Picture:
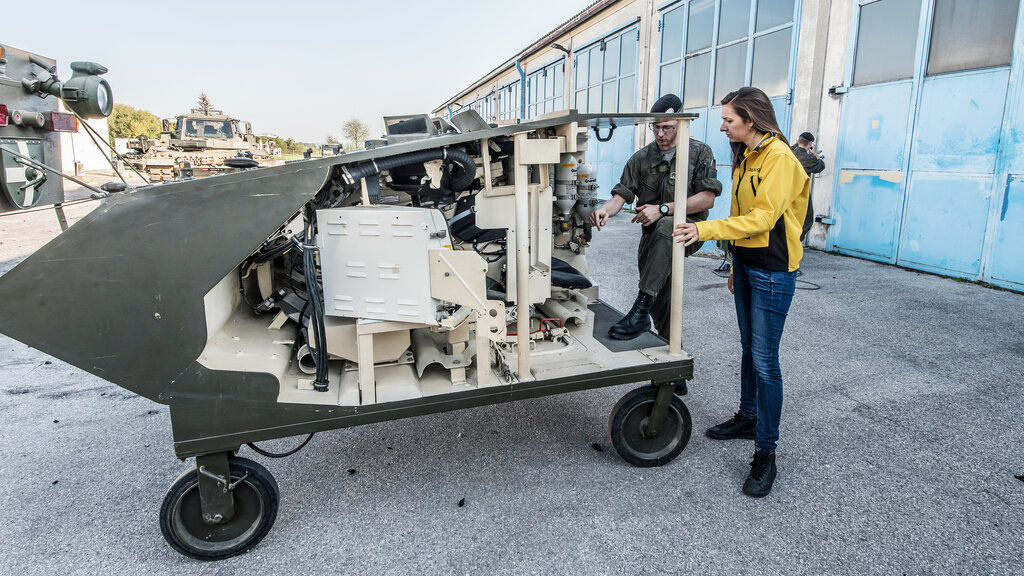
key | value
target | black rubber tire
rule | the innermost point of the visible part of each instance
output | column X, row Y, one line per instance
column 256, row 503
column 628, row 421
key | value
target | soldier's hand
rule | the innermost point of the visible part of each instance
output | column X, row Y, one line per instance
column 647, row 214
column 599, row 218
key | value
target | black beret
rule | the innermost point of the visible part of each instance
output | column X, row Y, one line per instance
column 667, row 103
column 807, row 136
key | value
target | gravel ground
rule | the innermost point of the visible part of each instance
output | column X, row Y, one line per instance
column 901, row 437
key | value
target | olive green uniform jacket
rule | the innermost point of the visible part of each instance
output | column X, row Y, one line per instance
column 812, row 165
column 649, row 177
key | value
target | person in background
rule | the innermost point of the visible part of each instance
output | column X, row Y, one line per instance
column 769, row 202
column 813, row 163
column 648, row 181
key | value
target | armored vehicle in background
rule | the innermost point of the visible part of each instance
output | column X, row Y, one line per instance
column 199, row 143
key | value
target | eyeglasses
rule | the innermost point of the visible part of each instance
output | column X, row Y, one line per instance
column 663, row 129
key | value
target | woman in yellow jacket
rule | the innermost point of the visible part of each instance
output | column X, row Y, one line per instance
column 769, row 201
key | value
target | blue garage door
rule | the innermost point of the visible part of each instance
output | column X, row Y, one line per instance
column 924, row 176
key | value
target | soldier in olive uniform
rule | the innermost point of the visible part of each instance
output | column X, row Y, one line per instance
column 648, row 182
column 812, row 163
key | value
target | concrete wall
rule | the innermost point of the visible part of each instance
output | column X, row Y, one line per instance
column 831, row 30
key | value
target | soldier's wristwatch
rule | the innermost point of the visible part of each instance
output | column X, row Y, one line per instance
column 663, row 209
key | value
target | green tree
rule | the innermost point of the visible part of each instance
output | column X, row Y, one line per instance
column 290, row 146
column 128, row 122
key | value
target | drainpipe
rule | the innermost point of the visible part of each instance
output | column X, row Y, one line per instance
column 522, row 91
column 449, row 111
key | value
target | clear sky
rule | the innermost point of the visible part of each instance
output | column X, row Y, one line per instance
column 297, row 69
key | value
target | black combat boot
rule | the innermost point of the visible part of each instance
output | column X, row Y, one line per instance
column 762, row 475
column 636, row 321
column 737, row 427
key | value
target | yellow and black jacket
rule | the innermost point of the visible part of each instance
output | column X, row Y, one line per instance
column 770, row 191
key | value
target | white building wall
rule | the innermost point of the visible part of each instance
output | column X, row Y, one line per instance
column 835, row 54
column 78, row 147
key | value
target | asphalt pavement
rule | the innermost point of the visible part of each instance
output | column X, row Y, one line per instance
column 901, row 438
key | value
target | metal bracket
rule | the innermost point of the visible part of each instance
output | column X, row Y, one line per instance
column 657, row 418
column 215, row 487
column 597, row 133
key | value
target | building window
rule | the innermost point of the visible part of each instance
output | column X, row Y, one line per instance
column 508, row 101
column 670, row 68
column 771, row 62
column 965, row 37
column 714, row 50
column 734, row 20
column 546, row 89
column 606, row 74
column 484, row 106
column 730, row 69
column 886, row 41
column 772, row 13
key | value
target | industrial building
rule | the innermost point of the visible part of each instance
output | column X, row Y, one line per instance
column 916, row 105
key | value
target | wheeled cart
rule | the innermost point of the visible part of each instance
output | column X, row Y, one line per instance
column 444, row 270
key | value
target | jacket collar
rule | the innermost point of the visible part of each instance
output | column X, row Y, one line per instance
column 768, row 138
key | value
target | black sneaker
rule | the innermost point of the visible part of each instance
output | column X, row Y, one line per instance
column 737, row 427
column 762, row 475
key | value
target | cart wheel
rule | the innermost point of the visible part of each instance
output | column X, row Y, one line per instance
column 256, row 501
column 628, row 429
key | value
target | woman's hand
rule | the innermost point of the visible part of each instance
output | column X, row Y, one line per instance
column 731, row 290
column 686, row 233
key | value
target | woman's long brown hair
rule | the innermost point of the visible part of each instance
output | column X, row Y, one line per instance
column 752, row 104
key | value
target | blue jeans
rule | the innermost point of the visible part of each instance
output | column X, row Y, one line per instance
column 762, row 302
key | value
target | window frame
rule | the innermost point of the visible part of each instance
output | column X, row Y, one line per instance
column 538, row 104
column 750, row 38
column 603, row 85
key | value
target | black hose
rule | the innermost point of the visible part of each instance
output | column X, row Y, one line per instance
column 315, row 300
column 259, row 450
column 462, row 176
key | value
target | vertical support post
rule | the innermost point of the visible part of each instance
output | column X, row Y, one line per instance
column 522, row 261
column 215, row 498
column 61, row 217
column 485, row 157
column 675, row 339
column 365, row 192
column 483, row 358
column 367, row 379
